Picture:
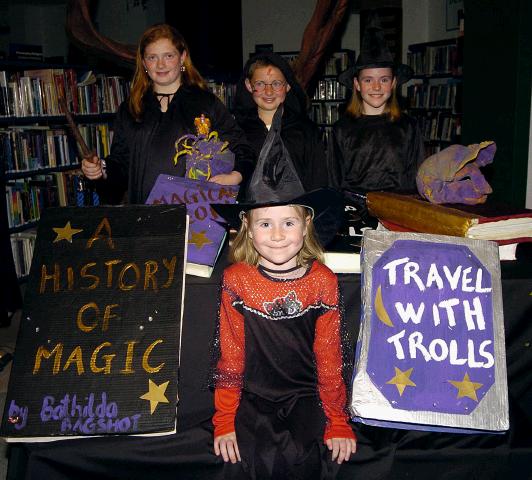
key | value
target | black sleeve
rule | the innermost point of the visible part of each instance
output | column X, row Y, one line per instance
column 229, row 131
column 335, row 159
column 415, row 155
column 315, row 174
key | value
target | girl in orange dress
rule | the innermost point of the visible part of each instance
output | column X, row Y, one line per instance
column 280, row 372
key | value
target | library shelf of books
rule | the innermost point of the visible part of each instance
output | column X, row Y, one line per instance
column 434, row 94
column 40, row 160
column 329, row 97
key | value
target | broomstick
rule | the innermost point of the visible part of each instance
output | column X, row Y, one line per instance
column 85, row 151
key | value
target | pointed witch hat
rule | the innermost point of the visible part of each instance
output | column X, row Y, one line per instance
column 375, row 54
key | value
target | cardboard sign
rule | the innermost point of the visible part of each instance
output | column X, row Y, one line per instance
column 431, row 348
column 99, row 340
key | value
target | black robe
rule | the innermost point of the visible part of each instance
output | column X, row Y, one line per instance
column 142, row 150
column 301, row 138
column 373, row 153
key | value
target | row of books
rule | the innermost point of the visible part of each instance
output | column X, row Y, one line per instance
column 325, row 112
column 37, row 92
column 22, row 245
column 430, row 60
column 435, row 95
column 32, row 148
column 337, row 63
column 440, row 126
column 26, row 198
column 330, row 89
column 226, row 92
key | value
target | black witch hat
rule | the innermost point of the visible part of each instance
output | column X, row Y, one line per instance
column 375, row 54
column 326, row 206
column 275, row 180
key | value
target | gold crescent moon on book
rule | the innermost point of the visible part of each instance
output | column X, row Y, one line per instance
column 382, row 314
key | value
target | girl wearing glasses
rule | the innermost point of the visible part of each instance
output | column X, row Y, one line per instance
column 167, row 95
column 268, row 83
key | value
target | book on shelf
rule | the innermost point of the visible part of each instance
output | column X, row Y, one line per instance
column 36, row 92
column 99, row 349
column 489, row 221
column 206, row 235
column 22, row 246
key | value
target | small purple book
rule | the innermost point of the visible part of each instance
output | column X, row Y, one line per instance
column 206, row 236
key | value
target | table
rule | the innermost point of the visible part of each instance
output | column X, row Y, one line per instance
column 382, row 453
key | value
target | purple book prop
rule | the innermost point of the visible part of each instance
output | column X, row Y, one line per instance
column 206, row 235
column 430, row 353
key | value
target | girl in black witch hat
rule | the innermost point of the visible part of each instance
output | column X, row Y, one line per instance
column 268, row 86
column 375, row 146
column 282, row 365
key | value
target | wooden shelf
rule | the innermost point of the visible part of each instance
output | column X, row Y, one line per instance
column 41, row 171
column 56, row 119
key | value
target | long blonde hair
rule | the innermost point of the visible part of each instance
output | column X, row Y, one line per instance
column 355, row 108
column 243, row 250
column 142, row 82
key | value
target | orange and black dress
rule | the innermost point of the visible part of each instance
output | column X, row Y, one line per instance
column 278, row 379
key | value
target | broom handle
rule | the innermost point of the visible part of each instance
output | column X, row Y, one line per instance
column 85, row 152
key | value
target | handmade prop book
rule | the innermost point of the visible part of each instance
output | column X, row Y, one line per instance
column 430, row 353
column 99, row 339
column 206, row 235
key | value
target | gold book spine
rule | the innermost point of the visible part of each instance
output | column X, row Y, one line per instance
column 419, row 215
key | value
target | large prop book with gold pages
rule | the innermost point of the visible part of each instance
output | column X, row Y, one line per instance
column 99, row 339
column 430, row 353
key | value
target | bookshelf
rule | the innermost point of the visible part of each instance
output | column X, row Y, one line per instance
column 40, row 160
column 434, row 94
column 330, row 96
column 224, row 90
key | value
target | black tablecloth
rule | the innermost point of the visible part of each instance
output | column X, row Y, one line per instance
column 382, row 453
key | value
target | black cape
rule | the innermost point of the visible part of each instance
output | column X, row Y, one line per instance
column 373, row 153
column 301, row 137
column 142, row 150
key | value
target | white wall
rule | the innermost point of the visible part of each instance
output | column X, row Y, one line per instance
column 415, row 23
column 30, row 23
column 437, row 18
column 125, row 20
column 282, row 23
column 42, row 22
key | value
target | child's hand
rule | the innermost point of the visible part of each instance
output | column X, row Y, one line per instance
column 342, row 448
column 226, row 446
column 233, row 178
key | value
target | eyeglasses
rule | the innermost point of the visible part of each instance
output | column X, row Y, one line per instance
column 260, row 86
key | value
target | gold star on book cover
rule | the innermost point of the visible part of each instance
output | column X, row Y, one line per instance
column 99, row 340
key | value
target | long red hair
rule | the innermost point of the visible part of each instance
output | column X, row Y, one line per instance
column 142, row 82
